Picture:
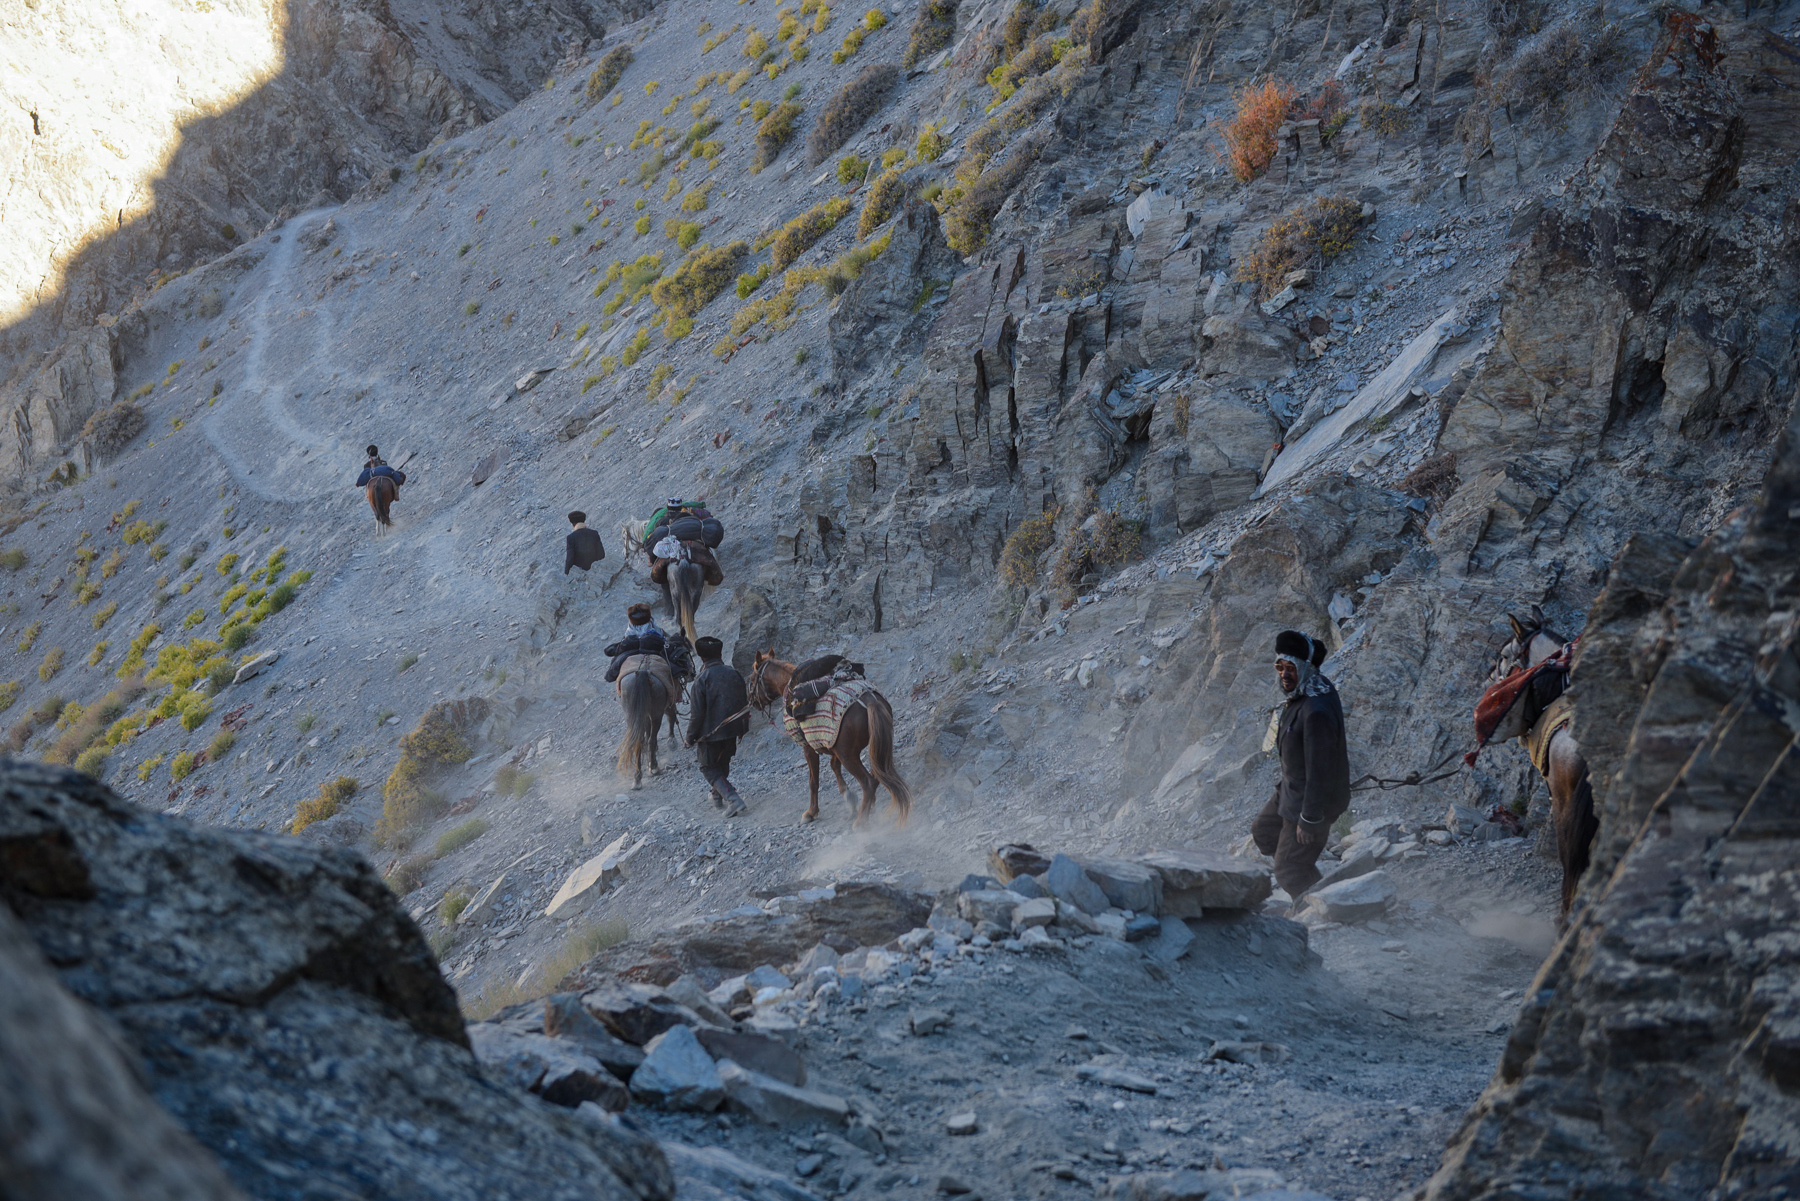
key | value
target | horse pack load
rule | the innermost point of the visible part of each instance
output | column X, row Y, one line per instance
column 698, row 526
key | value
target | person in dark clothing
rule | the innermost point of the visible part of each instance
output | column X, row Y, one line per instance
column 375, row 465
column 583, row 546
column 641, row 638
column 717, row 695
column 1314, row 790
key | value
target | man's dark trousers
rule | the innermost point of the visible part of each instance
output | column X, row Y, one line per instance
column 1279, row 839
column 715, row 766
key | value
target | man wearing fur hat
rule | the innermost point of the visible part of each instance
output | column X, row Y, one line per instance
column 1314, row 790
column 721, row 716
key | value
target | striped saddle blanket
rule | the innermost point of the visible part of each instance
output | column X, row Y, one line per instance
column 820, row 730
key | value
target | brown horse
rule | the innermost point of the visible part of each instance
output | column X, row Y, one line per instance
column 1558, row 758
column 381, row 493
column 647, row 692
column 869, row 723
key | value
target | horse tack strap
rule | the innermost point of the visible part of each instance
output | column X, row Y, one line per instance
column 1558, row 715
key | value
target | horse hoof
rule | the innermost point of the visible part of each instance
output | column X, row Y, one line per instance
column 809, row 817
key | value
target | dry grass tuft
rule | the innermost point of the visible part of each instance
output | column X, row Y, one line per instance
column 885, row 197
column 110, row 429
column 934, row 24
column 1025, row 546
column 438, row 740
column 1321, row 229
column 606, row 74
column 850, row 109
column 1250, row 133
column 774, row 132
column 798, row 235
column 331, row 798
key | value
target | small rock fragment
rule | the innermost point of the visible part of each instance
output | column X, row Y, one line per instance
column 961, row 1123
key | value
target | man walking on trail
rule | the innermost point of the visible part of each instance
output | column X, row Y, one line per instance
column 583, row 548
column 1314, row 790
column 717, row 695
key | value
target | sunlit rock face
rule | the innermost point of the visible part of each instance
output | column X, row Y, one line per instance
column 145, row 136
column 98, row 94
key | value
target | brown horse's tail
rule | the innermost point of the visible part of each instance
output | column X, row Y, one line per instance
column 642, row 695
column 689, row 580
column 381, row 494
column 881, row 753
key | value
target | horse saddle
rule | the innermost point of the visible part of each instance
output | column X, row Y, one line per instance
column 803, row 698
column 1558, row 715
column 656, row 665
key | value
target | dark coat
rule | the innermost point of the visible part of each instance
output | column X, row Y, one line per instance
column 716, row 695
column 650, row 643
column 583, row 549
column 1315, row 762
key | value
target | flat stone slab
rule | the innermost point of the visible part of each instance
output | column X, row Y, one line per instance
column 1194, row 881
column 775, row 1103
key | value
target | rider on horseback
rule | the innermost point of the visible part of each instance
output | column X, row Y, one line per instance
column 642, row 637
column 376, row 465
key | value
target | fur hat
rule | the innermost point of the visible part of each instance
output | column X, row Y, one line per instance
column 638, row 614
column 708, row 647
column 577, row 517
column 1292, row 644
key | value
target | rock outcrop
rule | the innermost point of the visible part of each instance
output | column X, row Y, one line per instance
column 1656, row 1053
column 75, row 1120
column 286, row 1011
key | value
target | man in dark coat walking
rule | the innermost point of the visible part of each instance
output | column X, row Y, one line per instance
column 582, row 548
column 1314, row 790
column 720, row 703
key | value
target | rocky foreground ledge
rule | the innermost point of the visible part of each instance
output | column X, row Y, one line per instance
column 281, row 1008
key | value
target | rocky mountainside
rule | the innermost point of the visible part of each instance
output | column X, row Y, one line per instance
column 1047, row 359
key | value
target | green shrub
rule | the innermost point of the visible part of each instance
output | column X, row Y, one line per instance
column 182, row 766
column 885, row 196
column 226, row 563
column 798, row 235
column 756, row 44
column 93, row 760
column 773, row 133
column 406, row 875
column 9, row 693
column 851, row 169
column 29, row 637
column 752, row 280
column 604, row 76
column 850, row 109
column 331, row 798
column 13, row 559
column 459, row 836
column 453, row 904
column 53, row 661
column 968, row 217
column 698, row 278
column 148, row 766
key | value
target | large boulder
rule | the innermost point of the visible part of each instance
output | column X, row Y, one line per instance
column 263, row 983
column 75, row 1120
column 1356, row 900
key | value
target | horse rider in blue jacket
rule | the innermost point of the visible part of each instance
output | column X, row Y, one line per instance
column 376, row 465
